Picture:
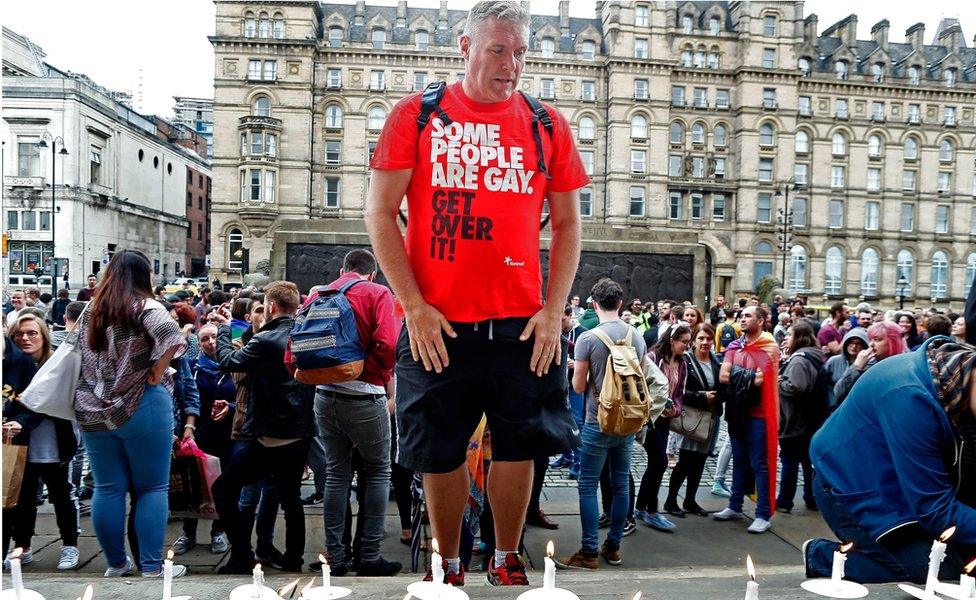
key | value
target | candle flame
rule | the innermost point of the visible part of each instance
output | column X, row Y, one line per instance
column 434, row 546
column 750, row 567
column 16, row 553
column 846, row 547
column 550, row 549
column 288, row 588
column 307, row 587
column 947, row 534
column 323, row 560
column 89, row 592
column 257, row 567
column 169, row 555
column 637, row 596
column 969, row 568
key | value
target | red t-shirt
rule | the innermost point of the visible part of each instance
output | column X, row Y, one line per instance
column 475, row 200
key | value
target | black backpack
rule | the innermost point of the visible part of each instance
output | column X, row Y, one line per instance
column 817, row 408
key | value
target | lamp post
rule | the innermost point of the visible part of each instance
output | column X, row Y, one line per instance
column 902, row 286
column 784, row 219
column 55, row 141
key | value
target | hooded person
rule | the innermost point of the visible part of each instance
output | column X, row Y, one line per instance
column 884, row 340
column 853, row 343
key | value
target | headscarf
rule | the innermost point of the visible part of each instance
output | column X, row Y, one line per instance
column 951, row 363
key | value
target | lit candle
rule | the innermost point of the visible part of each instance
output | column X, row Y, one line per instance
column 168, row 576
column 549, row 577
column 326, row 576
column 936, row 556
column 967, row 583
column 840, row 557
column 752, row 588
column 289, row 588
column 257, row 582
column 16, row 577
column 436, row 568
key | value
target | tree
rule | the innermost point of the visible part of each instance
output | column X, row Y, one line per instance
column 765, row 288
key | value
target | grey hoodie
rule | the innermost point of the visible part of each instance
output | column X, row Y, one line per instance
column 796, row 382
column 841, row 370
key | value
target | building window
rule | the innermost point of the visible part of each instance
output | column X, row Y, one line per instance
column 376, row 118
column 28, row 159
column 914, row 75
column 869, row 272
column 718, row 207
column 12, row 218
column 765, row 169
column 944, row 182
column 769, row 58
column 255, row 185
column 838, row 145
column 379, row 39
column 547, row 90
column 587, row 128
column 95, row 165
column 906, row 269
column 700, row 59
column 636, row 201
column 769, row 98
column 872, row 212
column 940, row 275
column 798, row 268
column 911, row 149
column 641, row 14
column 874, row 146
column 269, row 185
column 942, row 218
column 335, row 37
column 698, row 166
column 762, row 268
column 278, row 29
column 801, row 143
column 686, row 58
column 257, row 143
column 970, row 270
column 697, row 206
column 421, row 41
column 271, row 144
column 640, row 48
column 804, row 106
column 720, row 136
column 586, row 156
column 834, row 271
column 677, row 95
column 766, row 134
column 333, row 152
column 588, row 49
column 914, row 114
column 713, row 60
column 588, row 91
column 333, row 116
column 800, row 173
column 250, row 25
column 700, row 97
column 907, row 217
column 721, row 98
column 800, row 212
column 949, row 76
column 714, row 26
column 877, row 111
column 264, row 26
column 334, row 79
column 697, row 133
column 235, row 249
column 638, row 161
column 719, row 163
column 841, row 69
column 835, row 214
column 804, row 65
column 764, row 208
column 377, row 80
column 675, row 165
column 586, row 202
column 261, row 107
column 769, row 26
column 638, row 127
column 687, row 22
column 419, row 81
column 254, row 70
column 640, row 89
column 270, row 72
column 874, row 180
column 675, row 206
column 877, row 72
column 945, row 151
column 838, row 177
column 972, row 220
column 676, row 133
column 547, row 47
column 332, row 187
column 840, row 108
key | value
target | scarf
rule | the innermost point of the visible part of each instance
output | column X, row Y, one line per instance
column 951, row 363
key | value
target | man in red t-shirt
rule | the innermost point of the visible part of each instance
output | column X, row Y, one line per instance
column 479, row 340
column 832, row 334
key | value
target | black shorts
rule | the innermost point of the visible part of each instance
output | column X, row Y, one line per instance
column 437, row 413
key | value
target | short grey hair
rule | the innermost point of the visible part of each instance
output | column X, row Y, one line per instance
column 503, row 10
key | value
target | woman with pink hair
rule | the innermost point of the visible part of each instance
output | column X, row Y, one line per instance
column 884, row 339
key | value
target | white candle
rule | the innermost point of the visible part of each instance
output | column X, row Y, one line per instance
column 967, row 583
column 752, row 587
column 840, row 557
column 436, row 568
column 168, row 576
column 16, row 577
column 936, row 556
column 549, row 576
column 326, row 575
column 257, row 582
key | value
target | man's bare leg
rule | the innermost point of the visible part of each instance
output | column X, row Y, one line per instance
column 509, row 488
column 447, row 495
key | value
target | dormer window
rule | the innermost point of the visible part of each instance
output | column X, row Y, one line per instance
column 914, row 75
column 714, row 26
column 877, row 72
column 421, row 41
column 687, row 23
column 547, row 47
column 841, row 69
column 588, row 48
column 949, row 76
column 379, row 39
column 804, row 64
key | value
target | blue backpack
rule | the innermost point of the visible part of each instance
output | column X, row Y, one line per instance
column 324, row 345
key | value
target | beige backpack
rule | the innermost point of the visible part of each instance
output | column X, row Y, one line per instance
column 624, row 400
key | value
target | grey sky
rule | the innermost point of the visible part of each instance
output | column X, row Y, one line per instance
column 111, row 40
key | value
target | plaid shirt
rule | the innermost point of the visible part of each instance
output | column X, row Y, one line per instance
column 112, row 382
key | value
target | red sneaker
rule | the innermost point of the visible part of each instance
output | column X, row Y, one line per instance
column 510, row 573
column 450, row 577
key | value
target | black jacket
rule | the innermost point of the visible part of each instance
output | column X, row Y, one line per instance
column 738, row 396
column 277, row 405
column 696, row 385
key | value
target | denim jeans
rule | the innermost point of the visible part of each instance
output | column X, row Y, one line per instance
column 134, row 456
column 749, row 467
column 345, row 422
column 902, row 555
column 576, row 405
column 794, row 453
column 316, row 464
column 655, row 443
column 596, row 449
column 259, row 510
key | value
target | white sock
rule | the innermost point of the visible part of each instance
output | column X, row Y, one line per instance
column 454, row 565
column 501, row 554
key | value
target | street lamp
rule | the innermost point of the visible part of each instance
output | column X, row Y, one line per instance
column 55, row 141
column 902, row 286
column 784, row 219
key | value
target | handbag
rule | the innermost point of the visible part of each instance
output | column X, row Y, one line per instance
column 14, row 460
column 191, row 477
column 693, row 423
column 52, row 390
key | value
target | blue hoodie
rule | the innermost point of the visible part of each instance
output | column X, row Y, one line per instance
column 887, row 451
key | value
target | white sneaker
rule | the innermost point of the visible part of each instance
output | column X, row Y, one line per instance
column 727, row 514
column 759, row 526
column 219, row 544
column 120, row 571
column 69, row 558
column 26, row 558
column 178, row 571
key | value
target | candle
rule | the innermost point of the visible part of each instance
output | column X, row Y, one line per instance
column 549, row 578
column 752, row 588
column 326, row 576
column 840, row 557
column 637, row 596
column 436, row 568
column 257, row 582
column 967, row 583
column 16, row 577
column 289, row 588
column 307, row 587
column 936, row 556
column 168, row 576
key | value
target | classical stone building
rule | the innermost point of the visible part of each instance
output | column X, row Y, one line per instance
column 705, row 125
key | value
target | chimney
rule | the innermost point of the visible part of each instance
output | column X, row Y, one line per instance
column 951, row 38
column 564, row 17
column 850, row 32
column 401, row 13
column 810, row 25
column 360, row 17
column 442, row 15
column 915, row 35
column 879, row 33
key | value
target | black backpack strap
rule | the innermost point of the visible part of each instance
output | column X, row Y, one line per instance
column 430, row 102
column 345, row 288
column 539, row 115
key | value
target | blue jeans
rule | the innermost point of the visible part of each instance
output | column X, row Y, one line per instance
column 902, row 555
column 346, row 422
column 598, row 447
column 259, row 508
column 134, row 456
column 749, row 467
column 794, row 453
column 576, row 406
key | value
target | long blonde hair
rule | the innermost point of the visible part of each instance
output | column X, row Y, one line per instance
column 46, row 350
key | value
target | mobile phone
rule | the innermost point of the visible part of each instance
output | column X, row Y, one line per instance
column 669, row 405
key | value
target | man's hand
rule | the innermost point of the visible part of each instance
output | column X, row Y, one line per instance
column 710, row 397
column 220, row 317
column 547, row 328
column 425, row 325
column 863, row 358
column 11, row 429
column 759, row 378
column 220, row 410
column 187, row 434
